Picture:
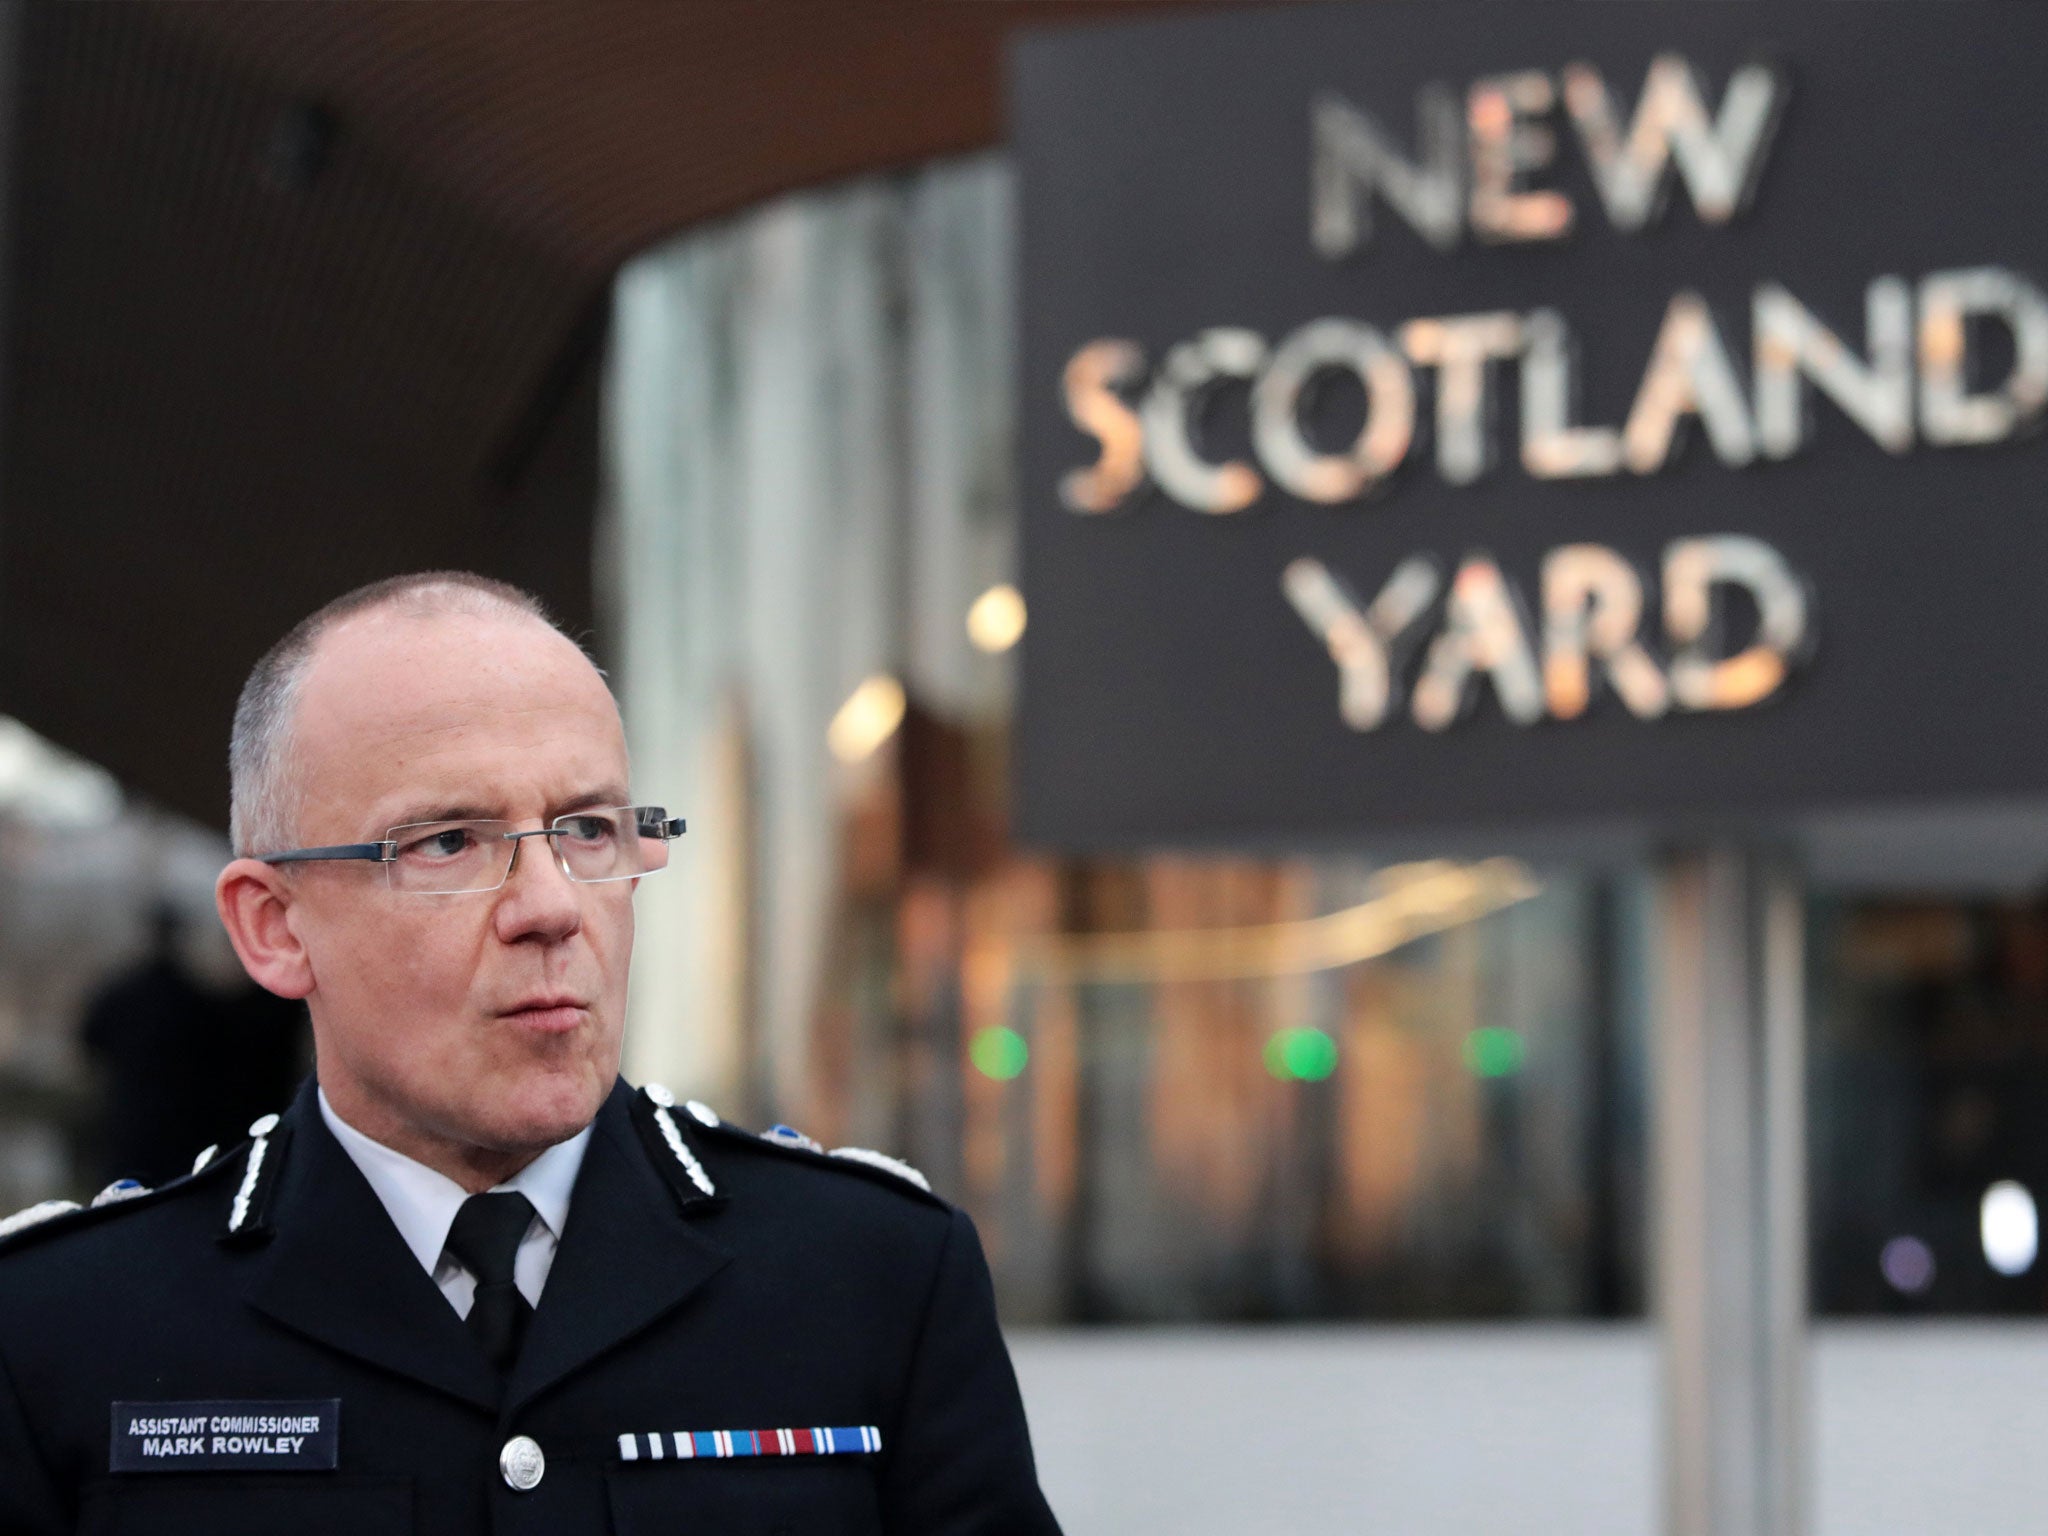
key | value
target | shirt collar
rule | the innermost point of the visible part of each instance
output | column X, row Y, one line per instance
column 422, row 1202
column 550, row 1179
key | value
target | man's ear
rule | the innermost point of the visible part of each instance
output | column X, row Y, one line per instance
column 255, row 904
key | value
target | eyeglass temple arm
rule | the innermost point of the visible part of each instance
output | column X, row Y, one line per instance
column 378, row 853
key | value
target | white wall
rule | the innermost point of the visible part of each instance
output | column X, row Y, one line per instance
column 1919, row 1430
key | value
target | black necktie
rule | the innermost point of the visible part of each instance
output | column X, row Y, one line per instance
column 485, row 1241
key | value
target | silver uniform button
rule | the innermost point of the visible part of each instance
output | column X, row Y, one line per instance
column 522, row 1463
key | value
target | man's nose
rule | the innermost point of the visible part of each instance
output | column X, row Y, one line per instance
column 538, row 899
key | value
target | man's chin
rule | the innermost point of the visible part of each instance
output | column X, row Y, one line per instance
column 537, row 1116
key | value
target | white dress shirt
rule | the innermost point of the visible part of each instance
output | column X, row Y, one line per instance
column 423, row 1203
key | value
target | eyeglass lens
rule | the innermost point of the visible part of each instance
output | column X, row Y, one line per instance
column 450, row 857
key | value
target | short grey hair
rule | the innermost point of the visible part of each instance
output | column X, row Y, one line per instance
column 264, row 795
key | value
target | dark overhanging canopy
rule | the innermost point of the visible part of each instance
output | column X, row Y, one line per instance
column 301, row 295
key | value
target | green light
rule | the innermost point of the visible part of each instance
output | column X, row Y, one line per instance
column 1301, row 1055
column 998, row 1052
column 1311, row 1055
column 1493, row 1052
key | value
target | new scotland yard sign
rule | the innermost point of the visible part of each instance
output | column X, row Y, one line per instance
column 1444, row 415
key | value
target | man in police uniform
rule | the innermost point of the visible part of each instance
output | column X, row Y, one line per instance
column 471, row 1281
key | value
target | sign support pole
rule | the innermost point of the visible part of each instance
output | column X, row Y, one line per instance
column 1729, row 1225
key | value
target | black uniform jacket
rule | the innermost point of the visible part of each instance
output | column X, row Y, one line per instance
column 806, row 1293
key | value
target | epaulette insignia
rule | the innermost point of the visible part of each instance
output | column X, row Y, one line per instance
column 790, row 1136
column 885, row 1162
column 36, row 1215
column 50, row 1210
column 54, row 1216
column 787, row 1138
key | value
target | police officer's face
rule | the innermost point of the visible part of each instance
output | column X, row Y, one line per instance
column 487, row 1022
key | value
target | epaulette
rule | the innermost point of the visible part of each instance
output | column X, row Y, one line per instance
column 701, row 1120
column 52, row 1218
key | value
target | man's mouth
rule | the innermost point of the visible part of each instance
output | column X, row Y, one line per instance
column 554, row 1013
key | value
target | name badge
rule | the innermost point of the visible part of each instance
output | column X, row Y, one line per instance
column 227, row 1436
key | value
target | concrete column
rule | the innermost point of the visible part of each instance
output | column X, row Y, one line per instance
column 1728, row 1143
